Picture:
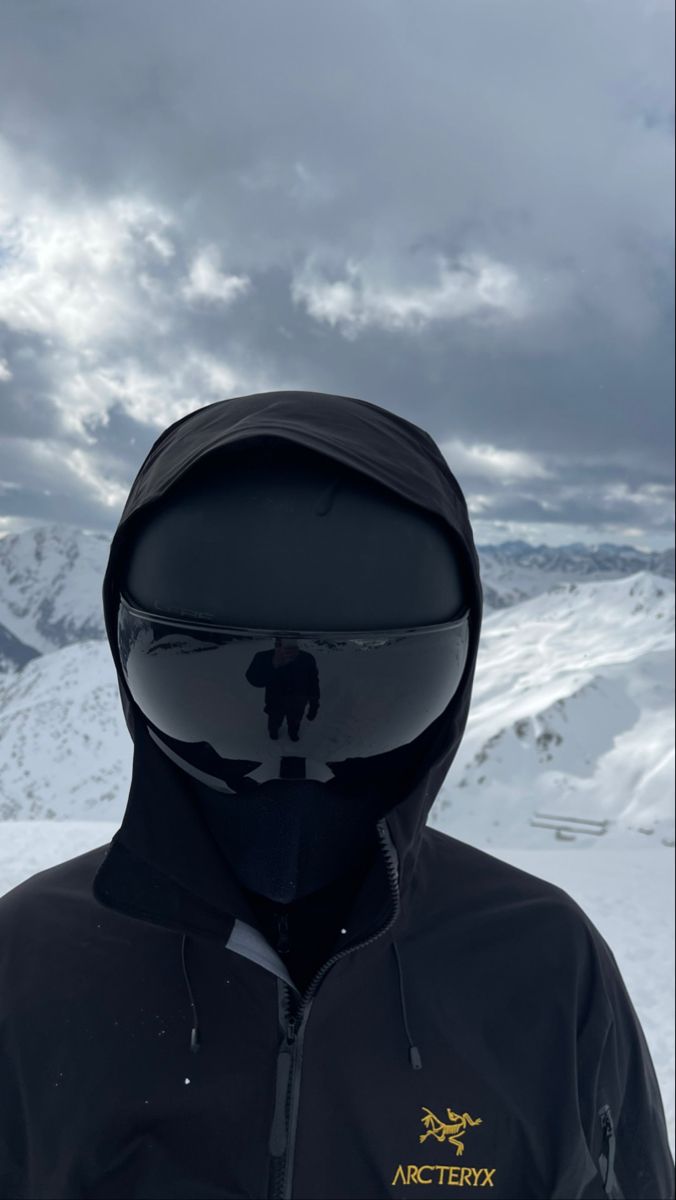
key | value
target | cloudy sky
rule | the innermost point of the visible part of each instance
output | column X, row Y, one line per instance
column 458, row 209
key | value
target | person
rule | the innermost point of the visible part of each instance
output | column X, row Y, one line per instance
column 289, row 692
column 277, row 980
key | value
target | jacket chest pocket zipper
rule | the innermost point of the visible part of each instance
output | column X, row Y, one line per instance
column 607, row 1155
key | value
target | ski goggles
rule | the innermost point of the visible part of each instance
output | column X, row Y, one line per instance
column 244, row 706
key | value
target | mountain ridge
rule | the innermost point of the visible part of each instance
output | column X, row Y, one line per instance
column 51, row 578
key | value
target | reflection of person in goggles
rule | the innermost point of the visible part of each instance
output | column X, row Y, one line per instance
column 199, row 685
column 289, row 676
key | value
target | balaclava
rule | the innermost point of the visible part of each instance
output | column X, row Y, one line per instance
column 267, row 535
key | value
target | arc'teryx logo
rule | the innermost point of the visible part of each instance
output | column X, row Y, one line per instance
column 452, row 1130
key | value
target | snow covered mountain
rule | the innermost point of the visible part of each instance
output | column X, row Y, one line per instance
column 571, row 730
column 515, row 571
column 50, row 591
column 65, row 750
column 571, row 717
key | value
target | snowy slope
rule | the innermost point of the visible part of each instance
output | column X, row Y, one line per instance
column 50, row 589
column 572, row 714
column 641, row 935
column 64, row 747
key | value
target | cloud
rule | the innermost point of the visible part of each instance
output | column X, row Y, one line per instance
column 94, row 284
column 70, row 273
column 483, row 461
column 473, row 288
column 207, row 282
column 152, row 396
column 461, row 212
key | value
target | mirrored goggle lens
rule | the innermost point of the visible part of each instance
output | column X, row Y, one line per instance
column 255, row 695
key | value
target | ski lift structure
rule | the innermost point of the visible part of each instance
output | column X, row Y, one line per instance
column 567, row 828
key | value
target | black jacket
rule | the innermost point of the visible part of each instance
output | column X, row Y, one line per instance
column 472, row 1032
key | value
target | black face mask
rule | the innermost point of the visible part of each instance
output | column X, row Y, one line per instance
column 297, row 737
column 289, row 838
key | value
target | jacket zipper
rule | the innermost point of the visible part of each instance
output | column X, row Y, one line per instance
column 607, row 1160
column 289, row 1057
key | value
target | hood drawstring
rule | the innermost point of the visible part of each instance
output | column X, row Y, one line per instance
column 195, row 1032
column 413, row 1051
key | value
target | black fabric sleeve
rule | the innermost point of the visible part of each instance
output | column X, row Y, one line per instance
column 620, row 1101
column 261, row 670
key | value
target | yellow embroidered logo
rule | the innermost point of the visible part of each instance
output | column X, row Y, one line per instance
column 453, row 1130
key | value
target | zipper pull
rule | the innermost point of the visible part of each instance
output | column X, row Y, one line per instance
column 283, row 943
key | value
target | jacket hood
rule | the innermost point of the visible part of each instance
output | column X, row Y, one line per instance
column 162, row 865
